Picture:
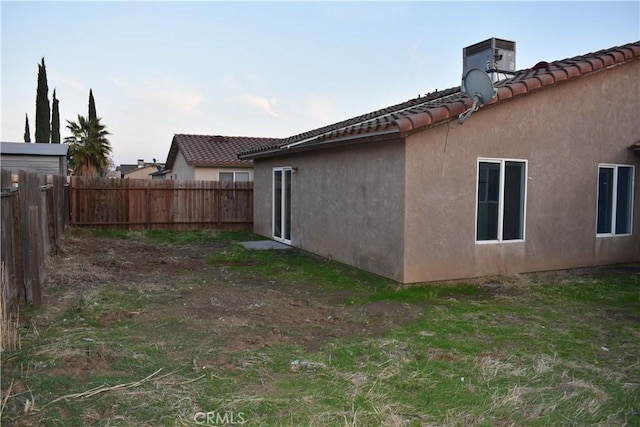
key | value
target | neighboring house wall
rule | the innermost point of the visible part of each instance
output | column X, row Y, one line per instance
column 181, row 169
column 141, row 173
column 213, row 173
column 347, row 204
column 564, row 134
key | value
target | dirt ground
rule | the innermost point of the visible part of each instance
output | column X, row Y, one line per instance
column 115, row 307
column 227, row 304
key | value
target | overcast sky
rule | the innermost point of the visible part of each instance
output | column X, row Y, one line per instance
column 271, row 69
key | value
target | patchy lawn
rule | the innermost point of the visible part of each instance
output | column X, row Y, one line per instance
column 191, row 329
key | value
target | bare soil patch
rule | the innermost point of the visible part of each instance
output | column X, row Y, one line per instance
column 232, row 308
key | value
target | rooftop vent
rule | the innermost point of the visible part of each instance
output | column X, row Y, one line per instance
column 495, row 56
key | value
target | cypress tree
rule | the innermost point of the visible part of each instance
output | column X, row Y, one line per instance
column 92, row 107
column 27, row 134
column 55, row 120
column 43, row 129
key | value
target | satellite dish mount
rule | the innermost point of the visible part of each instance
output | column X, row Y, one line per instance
column 478, row 86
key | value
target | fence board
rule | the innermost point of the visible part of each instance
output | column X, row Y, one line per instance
column 11, row 242
column 161, row 204
column 34, row 215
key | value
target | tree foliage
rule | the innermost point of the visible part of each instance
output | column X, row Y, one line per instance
column 27, row 134
column 92, row 106
column 89, row 147
column 43, row 129
column 55, row 120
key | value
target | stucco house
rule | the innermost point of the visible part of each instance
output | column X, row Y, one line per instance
column 48, row 159
column 212, row 157
column 543, row 177
column 139, row 170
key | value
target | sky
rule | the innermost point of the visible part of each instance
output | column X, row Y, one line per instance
column 269, row 69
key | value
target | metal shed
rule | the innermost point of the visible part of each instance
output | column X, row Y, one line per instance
column 49, row 159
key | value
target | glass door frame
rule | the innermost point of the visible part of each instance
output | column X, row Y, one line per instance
column 281, row 204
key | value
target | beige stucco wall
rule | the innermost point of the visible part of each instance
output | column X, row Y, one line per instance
column 141, row 173
column 564, row 133
column 213, row 174
column 347, row 204
column 183, row 171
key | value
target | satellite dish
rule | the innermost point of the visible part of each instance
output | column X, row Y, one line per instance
column 478, row 86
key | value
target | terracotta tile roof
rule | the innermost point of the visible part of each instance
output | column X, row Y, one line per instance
column 379, row 121
column 449, row 104
column 215, row 150
column 375, row 121
column 526, row 81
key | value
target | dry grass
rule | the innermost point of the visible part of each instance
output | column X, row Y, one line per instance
column 102, row 389
column 9, row 317
column 516, row 352
column 492, row 365
column 77, row 271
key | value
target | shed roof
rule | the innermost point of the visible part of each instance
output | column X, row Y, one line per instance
column 441, row 106
column 215, row 150
column 33, row 149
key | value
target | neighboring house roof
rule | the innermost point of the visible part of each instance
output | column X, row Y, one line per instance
column 34, row 149
column 438, row 107
column 214, row 150
column 127, row 168
column 161, row 172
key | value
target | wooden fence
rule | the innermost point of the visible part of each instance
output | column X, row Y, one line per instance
column 34, row 214
column 137, row 204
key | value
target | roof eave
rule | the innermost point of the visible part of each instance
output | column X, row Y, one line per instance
column 240, row 163
column 317, row 145
column 173, row 152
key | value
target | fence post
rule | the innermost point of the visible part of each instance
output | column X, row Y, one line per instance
column 147, row 197
column 18, row 249
column 216, row 197
column 73, row 188
column 34, row 259
column 51, row 220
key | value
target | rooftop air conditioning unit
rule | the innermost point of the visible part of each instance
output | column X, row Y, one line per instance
column 497, row 57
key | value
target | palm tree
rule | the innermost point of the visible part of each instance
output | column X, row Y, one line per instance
column 89, row 147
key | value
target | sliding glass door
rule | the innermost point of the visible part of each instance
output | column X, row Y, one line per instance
column 282, row 204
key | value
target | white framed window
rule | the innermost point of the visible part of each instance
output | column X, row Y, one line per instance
column 241, row 176
column 615, row 200
column 233, row 176
column 501, row 200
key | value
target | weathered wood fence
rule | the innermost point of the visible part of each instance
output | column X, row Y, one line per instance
column 34, row 214
column 137, row 204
